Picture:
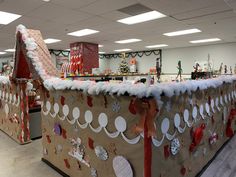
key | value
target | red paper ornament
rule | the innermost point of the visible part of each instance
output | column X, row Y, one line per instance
column 90, row 143
column 197, row 137
column 48, row 139
column 67, row 163
column 63, row 133
column 183, row 171
column 166, row 151
column 229, row 131
column 90, row 101
column 132, row 107
column 47, row 94
column 62, row 100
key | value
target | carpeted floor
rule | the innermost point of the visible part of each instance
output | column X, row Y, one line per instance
column 25, row 160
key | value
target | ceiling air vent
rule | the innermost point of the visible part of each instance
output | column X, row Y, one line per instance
column 135, row 9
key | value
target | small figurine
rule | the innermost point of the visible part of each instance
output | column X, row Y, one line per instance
column 231, row 70
column 226, row 70
column 221, row 68
column 158, row 69
column 180, row 70
column 196, row 67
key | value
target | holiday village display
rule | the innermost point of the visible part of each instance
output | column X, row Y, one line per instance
column 203, row 69
column 123, row 129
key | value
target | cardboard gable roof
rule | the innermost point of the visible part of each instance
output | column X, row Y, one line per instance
column 25, row 66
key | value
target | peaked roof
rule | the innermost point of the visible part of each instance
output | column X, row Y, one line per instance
column 32, row 58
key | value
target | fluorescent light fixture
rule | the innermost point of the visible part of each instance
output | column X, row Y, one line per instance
column 50, row 40
column 83, row 32
column 148, row 16
column 122, row 50
column 67, row 49
column 6, row 18
column 205, row 40
column 2, row 53
column 101, row 52
column 156, row 46
column 100, row 45
column 127, row 41
column 183, row 32
column 10, row 50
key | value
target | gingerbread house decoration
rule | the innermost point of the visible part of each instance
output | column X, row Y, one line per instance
column 123, row 129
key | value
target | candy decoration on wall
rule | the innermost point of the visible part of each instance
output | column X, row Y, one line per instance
column 213, row 138
column 116, row 106
column 90, row 101
column 175, row 146
column 101, row 153
column 67, row 163
column 63, row 132
column 132, row 106
column 93, row 172
column 197, row 137
column 62, row 100
column 57, row 129
column 78, row 151
column 166, row 151
column 183, row 171
column 229, row 130
column 45, row 151
column 48, row 139
column 122, row 167
column 90, row 143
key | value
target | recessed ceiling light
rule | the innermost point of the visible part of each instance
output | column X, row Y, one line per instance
column 67, row 49
column 6, row 18
column 152, row 15
column 51, row 40
column 46, row 0
column 122, row 50
column 127, row 41
column 100, row 45
column 2, row 53
column 156, row 46
column 10, row 50
column 101, row 52
column 83, row 32
column 183, row 32
column 205, row 40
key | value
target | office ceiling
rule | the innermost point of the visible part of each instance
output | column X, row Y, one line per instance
column 215, row 18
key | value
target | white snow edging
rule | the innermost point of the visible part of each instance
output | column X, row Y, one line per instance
column 140, row 90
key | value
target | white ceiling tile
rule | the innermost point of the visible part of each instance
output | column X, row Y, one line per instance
column 170, row 7
column 104, row 6
column 73, row 4
column 20, row 6
column 58, row 13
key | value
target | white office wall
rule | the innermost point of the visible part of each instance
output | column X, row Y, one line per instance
column 225, row 53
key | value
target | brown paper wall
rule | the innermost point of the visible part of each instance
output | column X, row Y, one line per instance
column 184, row 163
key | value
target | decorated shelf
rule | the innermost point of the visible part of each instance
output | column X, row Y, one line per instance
column 124, row 130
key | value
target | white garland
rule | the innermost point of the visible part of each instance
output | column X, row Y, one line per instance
column 140, row 90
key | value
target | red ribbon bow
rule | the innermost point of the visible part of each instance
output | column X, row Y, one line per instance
column 147, row 109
